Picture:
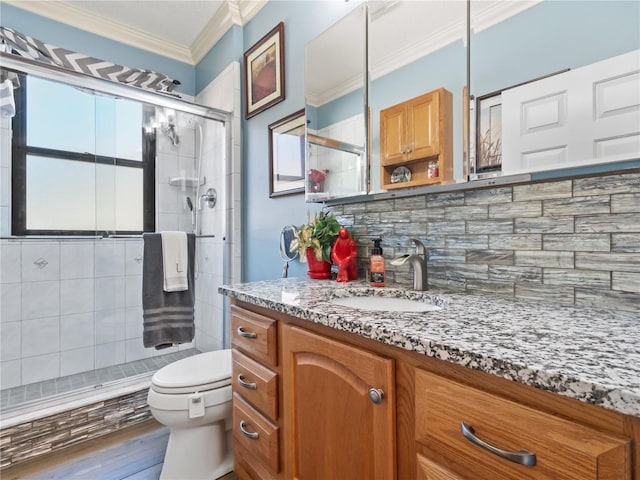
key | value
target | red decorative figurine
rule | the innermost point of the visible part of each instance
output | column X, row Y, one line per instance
column 344, row 254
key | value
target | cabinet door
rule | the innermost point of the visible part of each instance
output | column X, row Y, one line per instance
column 393, row 135
column 422, row 126
column 332, row 427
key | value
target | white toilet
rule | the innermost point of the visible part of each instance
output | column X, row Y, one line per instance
column 193, row 398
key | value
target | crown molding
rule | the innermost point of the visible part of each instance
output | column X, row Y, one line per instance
column 350, row 85
column 491, row 13
column 232, row 12
column 117, row 31
column 413, row 52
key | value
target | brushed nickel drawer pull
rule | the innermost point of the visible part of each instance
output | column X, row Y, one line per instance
column 243, row 333
column 523, row 457
column 250, row 386
column 247, row 433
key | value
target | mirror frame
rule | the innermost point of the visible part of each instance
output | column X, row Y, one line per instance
column 277, row 185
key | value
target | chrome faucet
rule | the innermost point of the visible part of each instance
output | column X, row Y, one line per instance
column 418, row 261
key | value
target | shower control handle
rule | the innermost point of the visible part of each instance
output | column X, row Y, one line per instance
column 247, row 433
column 243, row 333
column 250, row 386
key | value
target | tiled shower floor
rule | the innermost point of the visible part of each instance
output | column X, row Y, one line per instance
column 11, row 397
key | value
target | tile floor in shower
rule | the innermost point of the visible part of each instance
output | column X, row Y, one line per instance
column 12, row 397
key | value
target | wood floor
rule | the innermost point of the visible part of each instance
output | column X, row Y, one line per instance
column 135, row 453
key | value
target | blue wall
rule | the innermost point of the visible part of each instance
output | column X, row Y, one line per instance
column 549, row 37
column 228, row 49
column 263, row 218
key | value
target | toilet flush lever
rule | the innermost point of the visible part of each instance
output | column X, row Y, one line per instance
column 196, row 405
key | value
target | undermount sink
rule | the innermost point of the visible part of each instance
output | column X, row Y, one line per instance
column 387, row 304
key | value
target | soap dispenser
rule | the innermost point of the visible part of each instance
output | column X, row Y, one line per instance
column 376, row 266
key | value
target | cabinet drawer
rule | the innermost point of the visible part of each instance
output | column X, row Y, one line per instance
column 256, row 383
column 255, row 335
column 563, row 450
column 247, row 467
column 430, row 470
column 255, row 433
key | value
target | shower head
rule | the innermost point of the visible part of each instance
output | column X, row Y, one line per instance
column 170, row 131
column 189, row 204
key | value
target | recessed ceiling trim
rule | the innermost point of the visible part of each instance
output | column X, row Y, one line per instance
column 105, row 27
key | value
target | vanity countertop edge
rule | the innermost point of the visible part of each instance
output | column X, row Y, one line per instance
column 589, row 354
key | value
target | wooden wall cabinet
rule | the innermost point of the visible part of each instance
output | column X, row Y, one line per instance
column 415, row 133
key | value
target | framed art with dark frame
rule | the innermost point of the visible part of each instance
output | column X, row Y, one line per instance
column 264, row 72
column 286, row 155
column 489, row 132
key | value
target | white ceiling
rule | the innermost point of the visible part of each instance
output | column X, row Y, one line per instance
column 175, row 21
column 184, row 30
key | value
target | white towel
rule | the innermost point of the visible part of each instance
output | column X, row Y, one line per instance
column 175, row 261
column 7, row 102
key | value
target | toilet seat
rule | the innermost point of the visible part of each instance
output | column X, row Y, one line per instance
column 199, row 373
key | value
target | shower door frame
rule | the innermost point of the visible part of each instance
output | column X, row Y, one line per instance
column 83, row 81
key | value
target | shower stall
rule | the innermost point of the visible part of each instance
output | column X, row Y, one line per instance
column 87, row 166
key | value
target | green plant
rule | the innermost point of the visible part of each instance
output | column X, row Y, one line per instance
column 319, row 233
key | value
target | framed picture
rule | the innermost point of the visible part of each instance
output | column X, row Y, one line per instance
column 264, row 72
column 489, row 132
column 286, row 155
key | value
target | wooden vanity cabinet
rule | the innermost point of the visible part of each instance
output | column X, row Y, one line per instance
column 325, row 426
column 339, row 409
column 415, row 133
column 255, row 386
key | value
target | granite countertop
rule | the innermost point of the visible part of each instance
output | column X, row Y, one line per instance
column 590, row 354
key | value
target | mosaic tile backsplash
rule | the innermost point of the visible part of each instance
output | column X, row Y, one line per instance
column 574, row 241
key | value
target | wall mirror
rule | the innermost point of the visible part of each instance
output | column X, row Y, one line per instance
column 390, row 52
column 556, row 85
column 336, row 106
column 534, row 75
column 286, row 155
column 417, row 77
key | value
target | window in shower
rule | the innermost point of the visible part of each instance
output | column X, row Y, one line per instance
column 83, row 163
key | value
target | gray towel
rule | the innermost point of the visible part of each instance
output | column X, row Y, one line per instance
column 168, row 316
